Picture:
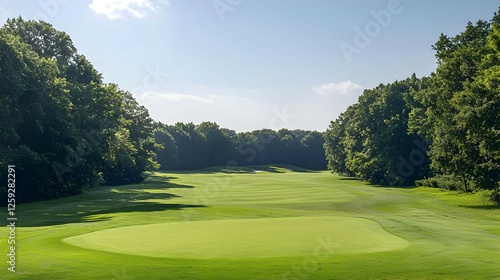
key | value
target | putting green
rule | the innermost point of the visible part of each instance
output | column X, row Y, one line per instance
column 267, row 237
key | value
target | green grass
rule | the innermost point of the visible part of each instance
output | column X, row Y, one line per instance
column 243, row 238
column 271, row 224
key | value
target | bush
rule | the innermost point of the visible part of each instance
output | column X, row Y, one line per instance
column 442, row 182
column 495, row 194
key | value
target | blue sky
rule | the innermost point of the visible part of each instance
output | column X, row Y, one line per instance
column 254, row 64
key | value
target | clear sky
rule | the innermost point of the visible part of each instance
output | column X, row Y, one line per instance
column 251, row 64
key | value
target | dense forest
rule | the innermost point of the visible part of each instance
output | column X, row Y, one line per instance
column 187, row 146
column 440, row 131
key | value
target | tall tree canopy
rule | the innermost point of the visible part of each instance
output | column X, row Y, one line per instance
column 63, row 128
column 370, row 140
column 462, row 107
column 451, row 117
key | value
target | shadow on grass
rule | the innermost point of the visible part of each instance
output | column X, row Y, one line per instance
column 482, row 207
column 391, row 186
column 156, row 178
column 100, row 204
column 248, row 169
column 377, row 185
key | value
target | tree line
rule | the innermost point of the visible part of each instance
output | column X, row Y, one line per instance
column 187, row 146
column 442, row 130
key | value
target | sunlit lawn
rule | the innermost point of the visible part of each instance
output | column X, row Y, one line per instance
column 270, row 224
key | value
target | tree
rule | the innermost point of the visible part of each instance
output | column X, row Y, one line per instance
column 218, row 144
column 314, row 157
column 36, row 122
column 371, row 140
column 460, row 106
column 167, row 155
column 453, row 114
column 62, row 126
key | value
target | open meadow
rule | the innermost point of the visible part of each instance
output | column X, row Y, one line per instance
column 261, row 223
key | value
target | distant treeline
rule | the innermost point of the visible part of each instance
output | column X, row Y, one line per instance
column 188, row 146
column 444, row 129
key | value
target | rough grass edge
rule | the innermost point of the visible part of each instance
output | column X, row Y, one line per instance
column 453, row 184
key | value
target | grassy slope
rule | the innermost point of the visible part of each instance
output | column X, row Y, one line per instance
column 452, row 236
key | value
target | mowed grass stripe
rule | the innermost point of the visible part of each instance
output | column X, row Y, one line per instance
column 451, row 235
column 260, row 188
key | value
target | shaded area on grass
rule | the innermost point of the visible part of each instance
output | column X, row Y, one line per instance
column 350, row 179
column 250, row 169
column 100, row 204
column 377, row 185
column 391, row 186
column 482, row 207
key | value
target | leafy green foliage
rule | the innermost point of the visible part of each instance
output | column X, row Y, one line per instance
column 187, row 146
column 371, row 140
column 495, row 195
column 443, row 182
column 462, row 107
column 446, row 125
column 63, row 128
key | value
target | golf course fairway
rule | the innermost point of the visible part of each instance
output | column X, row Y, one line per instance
column 260, row 222
column 244, row 238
